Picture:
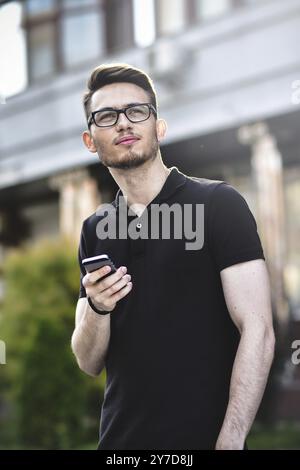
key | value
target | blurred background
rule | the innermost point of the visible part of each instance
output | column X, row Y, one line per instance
column 227, row 74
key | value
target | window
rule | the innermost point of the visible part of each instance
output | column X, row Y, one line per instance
column 41, row 43
column 89, row 44
column 62, row 34
column 34, row 7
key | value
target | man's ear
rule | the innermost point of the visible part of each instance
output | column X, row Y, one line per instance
column 88, row 141
column 161, row 129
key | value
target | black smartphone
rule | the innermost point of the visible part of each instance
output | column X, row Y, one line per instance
column 96, row 262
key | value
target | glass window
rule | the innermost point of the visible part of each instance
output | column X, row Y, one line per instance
column 39, row 6
column 206, row 9
column 41, row 41
column 82, row 37
column 171, row 15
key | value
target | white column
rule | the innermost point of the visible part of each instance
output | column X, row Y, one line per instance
column 267, row 174
column 79, row 198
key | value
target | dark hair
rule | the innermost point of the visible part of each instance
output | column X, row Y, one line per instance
column 106, row 74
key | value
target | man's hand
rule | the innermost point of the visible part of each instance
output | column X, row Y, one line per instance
column 106, row 293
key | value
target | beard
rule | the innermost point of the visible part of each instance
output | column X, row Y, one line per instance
column 130, row 159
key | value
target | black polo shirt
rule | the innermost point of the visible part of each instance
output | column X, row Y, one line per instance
column 173, row 343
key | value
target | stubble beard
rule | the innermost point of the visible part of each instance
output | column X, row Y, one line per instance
column 132, row 159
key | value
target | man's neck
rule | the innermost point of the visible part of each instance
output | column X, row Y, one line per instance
column 141, row 185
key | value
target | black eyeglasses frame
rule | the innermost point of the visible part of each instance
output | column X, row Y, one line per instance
column 119, row 111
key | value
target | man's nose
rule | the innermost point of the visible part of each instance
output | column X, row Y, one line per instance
column 123, row 122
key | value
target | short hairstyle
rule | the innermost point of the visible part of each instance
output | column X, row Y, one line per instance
column 106, row 74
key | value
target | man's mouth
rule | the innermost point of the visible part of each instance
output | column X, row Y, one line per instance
column 127, row 140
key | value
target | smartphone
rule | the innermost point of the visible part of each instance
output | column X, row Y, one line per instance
column 96, row 262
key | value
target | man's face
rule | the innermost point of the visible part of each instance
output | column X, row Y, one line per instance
column 143, row 145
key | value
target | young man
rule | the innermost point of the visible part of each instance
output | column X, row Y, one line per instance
column 184, row 331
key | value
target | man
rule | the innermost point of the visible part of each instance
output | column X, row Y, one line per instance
column 185, row 335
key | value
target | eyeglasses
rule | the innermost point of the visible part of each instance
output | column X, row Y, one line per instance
column 108, row 117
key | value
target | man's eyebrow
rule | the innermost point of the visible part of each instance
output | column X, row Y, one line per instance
column 116, row 107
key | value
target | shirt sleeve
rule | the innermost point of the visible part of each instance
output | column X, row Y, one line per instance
column 81, row 255
column 233, row 236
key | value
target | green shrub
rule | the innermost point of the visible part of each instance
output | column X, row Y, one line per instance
column 283, row 435
column 47, row 401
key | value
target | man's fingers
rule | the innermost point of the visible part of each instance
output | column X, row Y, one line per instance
column 91, row 278
column 109, row 285
column 110, row 280
column 106, row 295
column 121, row 293
column 107, row 298
column 113, row 278
column 117, row 286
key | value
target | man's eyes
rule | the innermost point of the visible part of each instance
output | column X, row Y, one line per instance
column 106, row 115
column 135, row 110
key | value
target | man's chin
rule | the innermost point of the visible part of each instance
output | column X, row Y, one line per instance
column 125, row 164
column 128, row 162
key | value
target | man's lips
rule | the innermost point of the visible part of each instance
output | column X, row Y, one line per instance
column 127, row 140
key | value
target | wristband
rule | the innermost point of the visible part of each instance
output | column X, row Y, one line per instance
column 100, row 312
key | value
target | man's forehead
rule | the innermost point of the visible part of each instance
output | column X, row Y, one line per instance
column 118, row 95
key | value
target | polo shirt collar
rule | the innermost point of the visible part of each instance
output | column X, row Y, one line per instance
column 174, row 181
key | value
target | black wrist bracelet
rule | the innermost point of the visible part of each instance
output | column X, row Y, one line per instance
column 100, row 312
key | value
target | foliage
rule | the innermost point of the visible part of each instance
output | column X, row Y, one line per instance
column 284, row 435
column 47, row 401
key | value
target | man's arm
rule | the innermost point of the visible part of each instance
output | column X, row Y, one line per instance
column 90, row 338
column 247, row 294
